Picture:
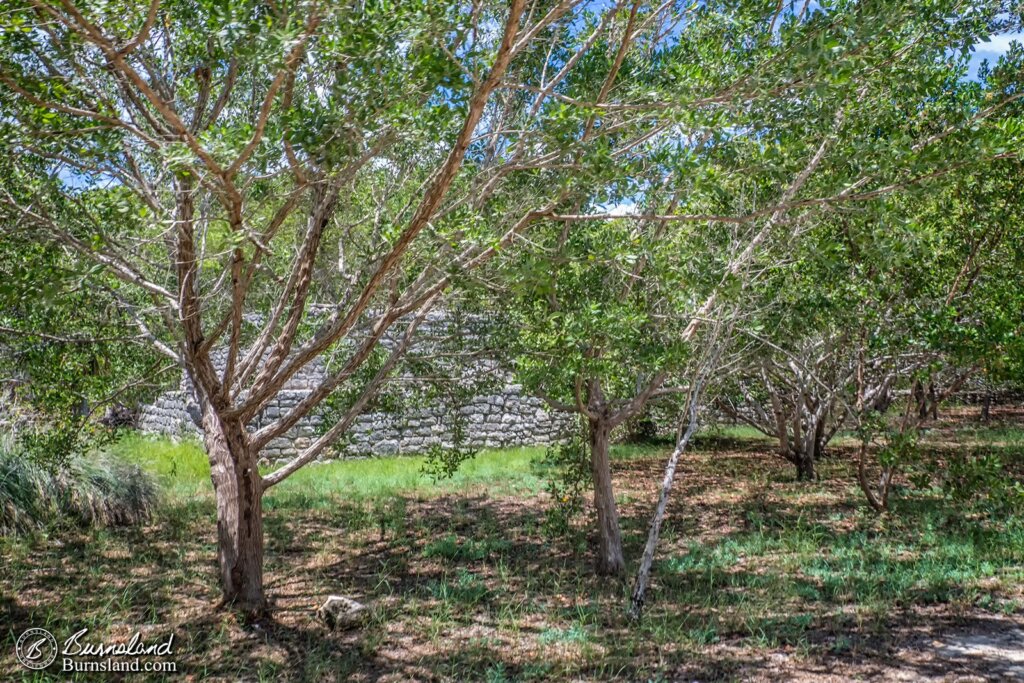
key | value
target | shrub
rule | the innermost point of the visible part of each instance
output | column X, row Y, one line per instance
column 566, row 467
column 89, row 490
column 980, row 477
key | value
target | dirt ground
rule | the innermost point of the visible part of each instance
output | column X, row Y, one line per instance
column 470, row 587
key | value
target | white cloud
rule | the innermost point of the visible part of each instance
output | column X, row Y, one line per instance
column 621, row 209
column 998, row 44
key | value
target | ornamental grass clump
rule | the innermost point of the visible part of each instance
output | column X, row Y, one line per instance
column 87, row 490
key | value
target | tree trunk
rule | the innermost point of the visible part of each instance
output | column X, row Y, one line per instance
column 921, row 396
column 819, row 438
column 610, row 560
column 803, row 452
column 238, row 490
column 643, row 574
column 805, row 465
column 802, row 455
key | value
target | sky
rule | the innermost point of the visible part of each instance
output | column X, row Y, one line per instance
column 991, row 50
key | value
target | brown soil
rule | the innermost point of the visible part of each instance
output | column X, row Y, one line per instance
column 468, row 587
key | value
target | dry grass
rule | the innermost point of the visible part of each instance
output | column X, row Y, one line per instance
column 759, row 578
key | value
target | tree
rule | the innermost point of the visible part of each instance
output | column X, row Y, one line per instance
column 214, row 162
column 802, row 114
column 793, row 395
column 890, row 269
column 965, row 318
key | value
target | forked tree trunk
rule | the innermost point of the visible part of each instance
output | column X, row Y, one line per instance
column 804, row 452
column 239, row 491
column 610, row 560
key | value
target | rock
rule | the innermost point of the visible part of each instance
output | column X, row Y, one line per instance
column 387, row 447
column 340, row 612
column 501, row 414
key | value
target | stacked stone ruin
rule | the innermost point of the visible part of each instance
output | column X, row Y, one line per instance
column 505, row 416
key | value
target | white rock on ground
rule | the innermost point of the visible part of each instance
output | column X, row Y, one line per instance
column 340, row 612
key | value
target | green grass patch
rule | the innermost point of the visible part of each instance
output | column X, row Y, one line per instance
column 182, row 467
column 365, row 478
column 465, row 583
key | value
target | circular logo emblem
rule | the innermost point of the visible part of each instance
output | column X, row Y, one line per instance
column 36, row 648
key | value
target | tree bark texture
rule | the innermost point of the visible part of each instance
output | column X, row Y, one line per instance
column 610, row 558
column 238, row 491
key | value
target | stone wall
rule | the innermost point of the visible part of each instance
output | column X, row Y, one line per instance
column 503, row 417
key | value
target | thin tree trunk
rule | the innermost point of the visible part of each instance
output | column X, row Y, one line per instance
column 862, row 477
column 916, row 393
column 239, row 491
column 921, row 396
column 643, row 574
column 610, row 559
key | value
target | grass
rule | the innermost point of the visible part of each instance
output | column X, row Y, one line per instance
column 97, row 489
column 877, row 568
column 183, row 468
column 464, row 583
column 507, row 471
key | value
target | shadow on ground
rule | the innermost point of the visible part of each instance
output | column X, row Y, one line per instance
column 759, row 578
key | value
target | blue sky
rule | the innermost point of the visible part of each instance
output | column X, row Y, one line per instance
column 991, row 50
